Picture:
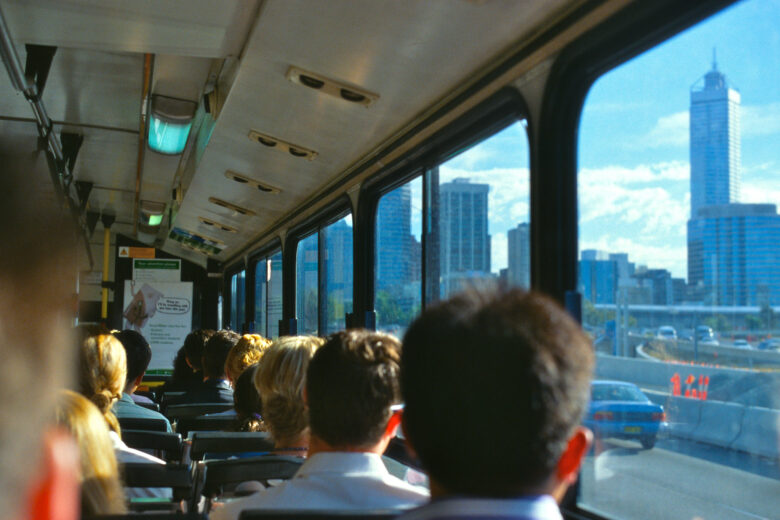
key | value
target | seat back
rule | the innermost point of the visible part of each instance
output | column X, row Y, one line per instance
column 261, row 514
column 177, row 477
column 228, row 442
column 151, row 406
column 150, row 516
column 189, row 411
column 168, row 443
column 142, row 423
column 219, row 473
column 211, row 423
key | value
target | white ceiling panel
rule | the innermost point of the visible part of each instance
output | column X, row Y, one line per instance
column 206, row 28
column 410, row 53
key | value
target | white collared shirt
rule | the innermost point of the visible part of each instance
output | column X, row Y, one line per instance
column 333, row 481
column 541, row 507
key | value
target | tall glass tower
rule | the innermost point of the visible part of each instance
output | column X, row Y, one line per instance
column 715, row 146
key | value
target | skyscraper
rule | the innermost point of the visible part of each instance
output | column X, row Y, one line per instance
column 715, row 145
column 733, row 248
column 519, row 255
column 464, row 238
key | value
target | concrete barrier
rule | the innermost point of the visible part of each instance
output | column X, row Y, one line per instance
column 683, row 416
column 719, row 423
column 760, row 432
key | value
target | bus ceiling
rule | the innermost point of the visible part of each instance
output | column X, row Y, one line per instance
column 288, row 97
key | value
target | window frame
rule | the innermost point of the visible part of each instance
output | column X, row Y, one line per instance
column 331, row 214
column 265, row 252
column 634, row 30
column 499, row 111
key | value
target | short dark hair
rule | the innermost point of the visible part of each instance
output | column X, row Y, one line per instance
column 216, row 351
column 246, row 401
column 351, row 383
column 194, row 344
column 138, row 351
column 494, row 383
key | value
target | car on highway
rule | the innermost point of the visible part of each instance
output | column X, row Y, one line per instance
column 705, row 336
column 621, row 410
column 772, row 344
column 741, row 343
column 666, row 332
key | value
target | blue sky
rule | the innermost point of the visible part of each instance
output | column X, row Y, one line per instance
column 634, row 171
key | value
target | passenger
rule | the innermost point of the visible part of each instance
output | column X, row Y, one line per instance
column 352, row 383
column 39, row 470
column 138, row 355
column 194, row 346
column 215, row 387
column 101, row 377
column 280, row 380
column 102, row 371
column 247, row 403
column 101, row 489
column 184, row 377
column 495, row 386
column 248, row 351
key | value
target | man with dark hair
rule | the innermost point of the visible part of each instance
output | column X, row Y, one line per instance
column 351, row 387
column 138, row 356
column 215, row 387
column 495, row 386
column 194, row 344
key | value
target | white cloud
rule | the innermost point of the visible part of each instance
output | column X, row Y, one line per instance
column 671, row 256
column 670, row 130
column 760, row 119
column 498, row 252
column 643, row 173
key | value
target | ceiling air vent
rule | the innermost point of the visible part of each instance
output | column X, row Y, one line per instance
column 260, row 186
column 232, row 207
column 282, row 146
column 217, row 225
column 331, row 87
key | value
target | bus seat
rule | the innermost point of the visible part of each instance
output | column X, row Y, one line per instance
column 189, row 411
column 177, row 477
column 143, row 423
column 228, row 442
column 168, row 443
column 260, row 514
column 212, row 423
column 220, row 474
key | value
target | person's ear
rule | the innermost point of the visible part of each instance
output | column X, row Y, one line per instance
column 569, row 463
column 138, row 380
column 54, row 492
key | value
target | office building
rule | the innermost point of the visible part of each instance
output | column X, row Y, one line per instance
column 519, row 256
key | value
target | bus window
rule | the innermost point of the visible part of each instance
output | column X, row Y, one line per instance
column 679, row 267
column 268, row 295
column 398, row 258
column 237, row 301
column 306, row 284
column 337, row 274
column 477, row 230
column 274, row 292
column 261, row 296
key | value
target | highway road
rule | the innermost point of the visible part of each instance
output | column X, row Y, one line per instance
column 680, row 480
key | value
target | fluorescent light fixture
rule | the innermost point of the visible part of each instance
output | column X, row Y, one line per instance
column 171, row 121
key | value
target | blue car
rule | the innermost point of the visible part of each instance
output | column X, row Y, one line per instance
column 621, row 410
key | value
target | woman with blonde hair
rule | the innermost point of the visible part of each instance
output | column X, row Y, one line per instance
column 101, row 490
column 248, row 351
column 280, row 379
column 102, row 370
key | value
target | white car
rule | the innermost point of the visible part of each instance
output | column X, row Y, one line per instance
column 741, row 343
column 666, row 332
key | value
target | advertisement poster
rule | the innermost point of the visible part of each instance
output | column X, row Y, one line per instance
column 157, row 270
column 162, row 313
